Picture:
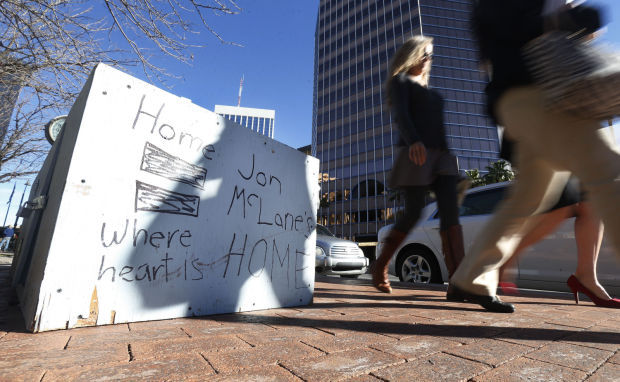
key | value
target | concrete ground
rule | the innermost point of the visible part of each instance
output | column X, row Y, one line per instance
column 351, row 332
column 6, row 258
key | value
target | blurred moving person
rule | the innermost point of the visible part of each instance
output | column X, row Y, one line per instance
column 588, row 236
column 550, row 145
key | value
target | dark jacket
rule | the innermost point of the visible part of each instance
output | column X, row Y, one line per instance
column 418, row 112
column 503, row 27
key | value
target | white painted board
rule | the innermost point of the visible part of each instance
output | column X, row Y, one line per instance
column 159, row 208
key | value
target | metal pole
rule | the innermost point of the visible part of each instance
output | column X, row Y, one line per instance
column 20, row 202
column 7, row 213
column 9, row 205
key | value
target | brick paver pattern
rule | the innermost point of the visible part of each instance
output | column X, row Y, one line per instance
column 350, row 332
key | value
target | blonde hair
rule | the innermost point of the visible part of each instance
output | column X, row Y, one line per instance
column 410, row 54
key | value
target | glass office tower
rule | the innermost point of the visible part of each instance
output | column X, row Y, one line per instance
column 352, row 132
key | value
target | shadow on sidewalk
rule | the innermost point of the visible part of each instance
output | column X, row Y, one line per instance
column 331, row 325
column 379, row 296
column 11, row 319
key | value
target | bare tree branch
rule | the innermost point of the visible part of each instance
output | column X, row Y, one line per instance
column 48, row 48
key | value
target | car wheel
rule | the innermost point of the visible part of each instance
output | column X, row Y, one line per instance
column 418, row 266
column 350, row 276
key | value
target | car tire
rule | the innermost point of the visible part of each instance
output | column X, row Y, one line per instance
column 350, row 276
column 418, row 265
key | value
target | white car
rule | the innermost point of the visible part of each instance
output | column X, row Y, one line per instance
column 546, row 266
column 335, row 256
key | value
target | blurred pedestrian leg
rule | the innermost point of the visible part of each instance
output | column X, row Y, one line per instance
column 551, row 145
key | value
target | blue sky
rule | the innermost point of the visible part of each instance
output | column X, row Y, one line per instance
column 276, row 60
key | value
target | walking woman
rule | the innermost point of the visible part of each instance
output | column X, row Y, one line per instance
column 549, row 145
column 588, row 237
column 423, row 161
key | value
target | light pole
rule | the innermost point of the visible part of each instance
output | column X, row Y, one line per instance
column 21, row 201
column 9, row 205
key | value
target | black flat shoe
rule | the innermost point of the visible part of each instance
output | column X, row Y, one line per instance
column 490, row 303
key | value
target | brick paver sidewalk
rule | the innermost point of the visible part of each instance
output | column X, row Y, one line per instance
column 351, row 332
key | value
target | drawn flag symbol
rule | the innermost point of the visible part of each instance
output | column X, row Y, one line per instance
column 158, row 162
column 155, row 199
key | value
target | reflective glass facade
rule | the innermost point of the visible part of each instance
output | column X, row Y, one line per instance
column 352, row 132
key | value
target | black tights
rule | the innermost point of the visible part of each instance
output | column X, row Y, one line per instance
column 444, row 188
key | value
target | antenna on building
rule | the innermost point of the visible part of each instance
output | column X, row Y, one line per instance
column 240, row 90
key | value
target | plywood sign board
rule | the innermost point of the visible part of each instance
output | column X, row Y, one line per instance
column 158, row 208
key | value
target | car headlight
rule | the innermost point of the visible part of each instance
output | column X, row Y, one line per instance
column 320, row 251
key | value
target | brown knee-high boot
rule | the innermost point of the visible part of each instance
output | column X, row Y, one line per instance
column 452, row 245
column 380, row 268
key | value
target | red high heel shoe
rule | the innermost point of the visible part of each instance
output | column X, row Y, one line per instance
column 576, row 286
column 508, row 288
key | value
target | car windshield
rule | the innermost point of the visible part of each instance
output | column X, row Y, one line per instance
column 323, row 231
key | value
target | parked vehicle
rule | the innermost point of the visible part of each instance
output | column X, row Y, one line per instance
column 546, row 266
column 335, row 256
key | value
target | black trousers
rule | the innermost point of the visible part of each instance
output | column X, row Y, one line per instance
column 444, row 188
